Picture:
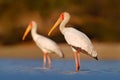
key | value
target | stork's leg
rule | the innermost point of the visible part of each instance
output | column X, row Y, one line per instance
column 79, row 58
column 76, row 61
column 49, row 61
column 44, row 60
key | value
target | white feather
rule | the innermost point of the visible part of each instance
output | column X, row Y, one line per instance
column 45, row 44
column 80, row 40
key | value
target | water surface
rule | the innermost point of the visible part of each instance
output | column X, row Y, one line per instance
column 19, row 69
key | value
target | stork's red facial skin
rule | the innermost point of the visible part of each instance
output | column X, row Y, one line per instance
column 62, row 16
column 30, row 24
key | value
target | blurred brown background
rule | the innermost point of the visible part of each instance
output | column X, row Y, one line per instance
column 99, row 19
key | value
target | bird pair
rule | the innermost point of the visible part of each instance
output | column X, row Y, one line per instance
column 78, row 41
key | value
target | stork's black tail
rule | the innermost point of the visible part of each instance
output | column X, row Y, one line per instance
column 96, row 58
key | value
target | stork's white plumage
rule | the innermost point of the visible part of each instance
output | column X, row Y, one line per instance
column 76, row 39
column 79, row 40
column 45, row 44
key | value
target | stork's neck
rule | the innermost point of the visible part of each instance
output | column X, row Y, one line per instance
column 62, row 25
column 34, row 31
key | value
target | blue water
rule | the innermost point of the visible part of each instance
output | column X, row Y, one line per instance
column 15, row 69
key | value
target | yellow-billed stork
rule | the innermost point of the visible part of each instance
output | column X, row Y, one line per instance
column 76, row 39
column 45, row 44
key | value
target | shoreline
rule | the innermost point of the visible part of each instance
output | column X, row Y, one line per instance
column 106, row 51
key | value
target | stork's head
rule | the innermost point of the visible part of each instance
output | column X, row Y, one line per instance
column 65, row 16
column 31, row 24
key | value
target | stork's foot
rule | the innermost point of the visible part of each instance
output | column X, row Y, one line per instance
column 49, row 66
column 44, row 67
column 77, row 67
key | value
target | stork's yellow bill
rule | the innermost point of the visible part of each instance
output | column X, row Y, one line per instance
column 56, row 24
column 27, row 30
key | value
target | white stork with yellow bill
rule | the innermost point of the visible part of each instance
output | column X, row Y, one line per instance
column 45, row 44
column 76, row 39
